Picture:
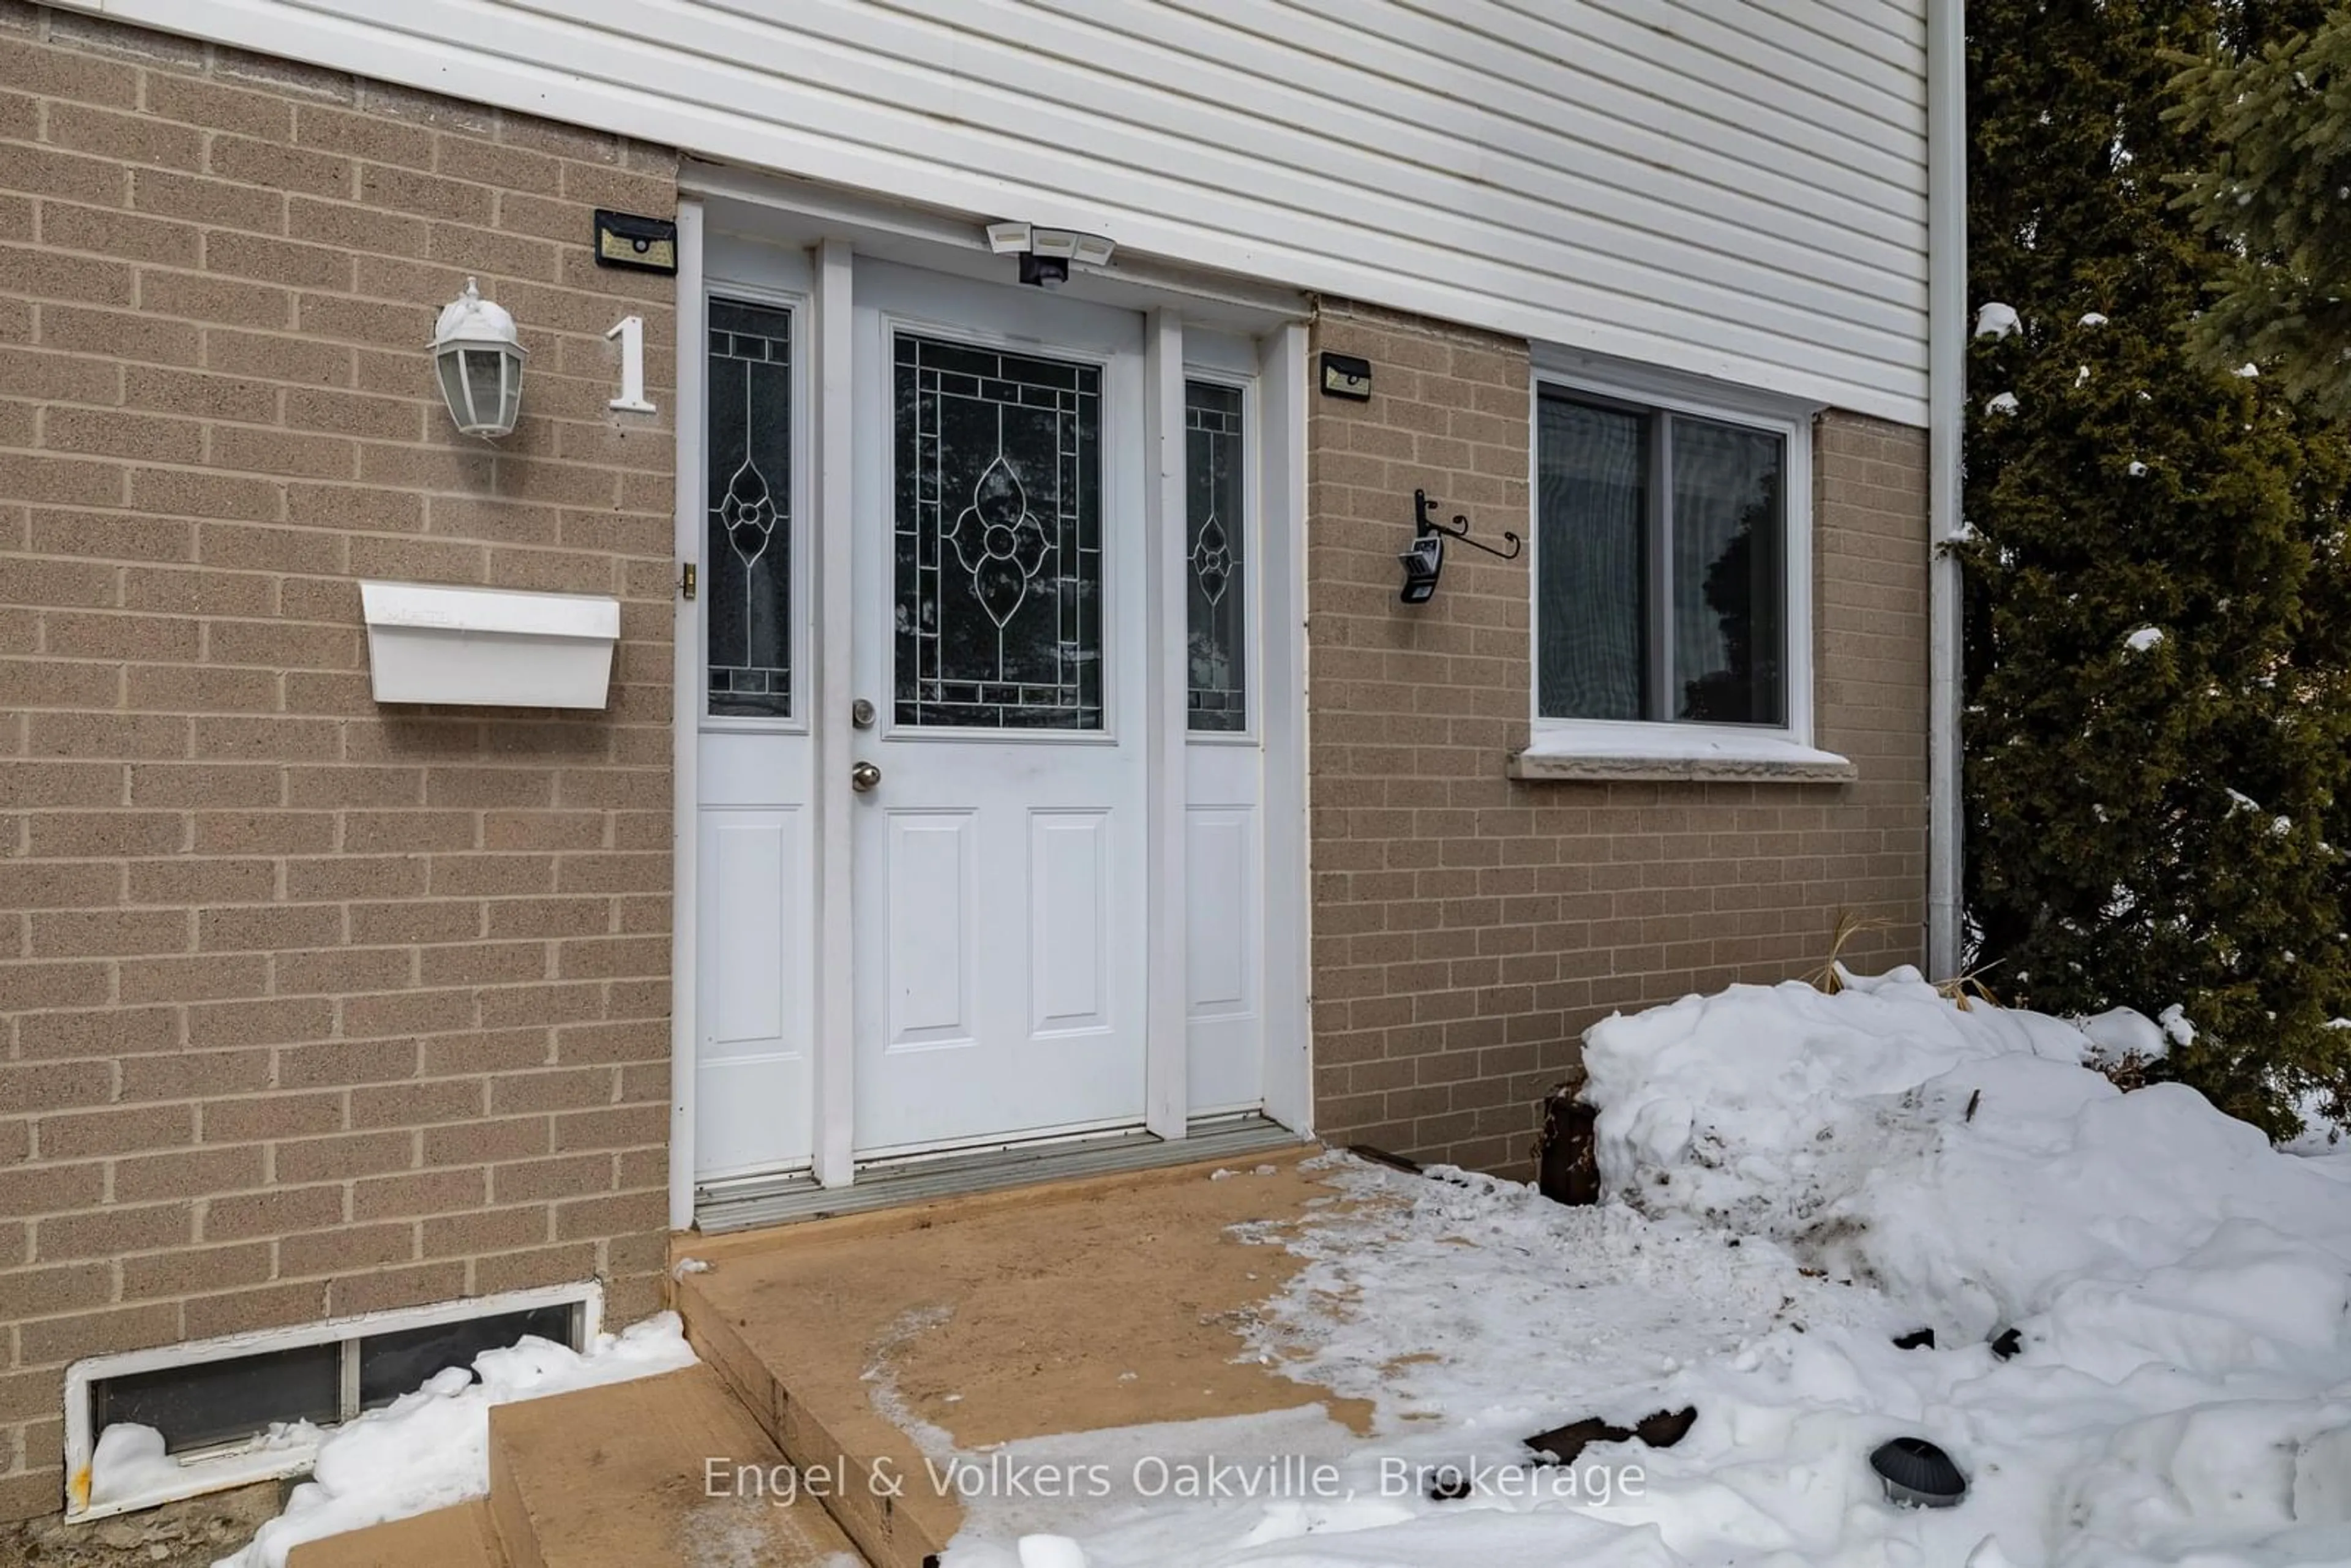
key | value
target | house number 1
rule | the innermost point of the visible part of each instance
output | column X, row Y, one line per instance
column 630, row 330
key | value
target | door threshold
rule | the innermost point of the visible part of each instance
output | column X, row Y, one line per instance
column 748, row 1204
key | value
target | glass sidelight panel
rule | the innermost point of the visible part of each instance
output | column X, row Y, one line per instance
column 1217, row 628
column 996, row 539
column 748, row 478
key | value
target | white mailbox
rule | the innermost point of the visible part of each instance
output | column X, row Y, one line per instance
column 496, row 647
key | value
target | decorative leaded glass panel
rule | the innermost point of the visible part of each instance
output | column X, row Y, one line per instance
column 1217, row 628
column 998, row 540
column 748, row 557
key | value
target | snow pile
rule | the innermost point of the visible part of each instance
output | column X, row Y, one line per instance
column 129, row 1461
column 1996, row 320
column 1793, row 1180
column 2180, row 1287
column 431, row 1448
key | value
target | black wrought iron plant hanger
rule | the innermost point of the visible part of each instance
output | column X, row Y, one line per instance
column 1425, row 561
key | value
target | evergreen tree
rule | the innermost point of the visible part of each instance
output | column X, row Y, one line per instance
column 2158, row 662
column 2272, row 190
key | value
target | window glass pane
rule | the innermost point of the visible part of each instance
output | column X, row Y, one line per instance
column 1217, row 630
column 748, row 558
column 1592, row 508
column 391, row 1365
column 1729, row 589
column 998, row 539
column 225, row 1401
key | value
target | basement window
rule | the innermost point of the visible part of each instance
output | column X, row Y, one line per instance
column 250, row 1407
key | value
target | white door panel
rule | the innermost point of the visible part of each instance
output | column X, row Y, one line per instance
column 1224, row 857
column 753, row 1056
column 997, row 561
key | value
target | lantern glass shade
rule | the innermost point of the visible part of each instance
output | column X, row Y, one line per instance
column 481, row 384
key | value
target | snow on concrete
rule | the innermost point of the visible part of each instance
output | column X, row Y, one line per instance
column 431, row 1448
column 1793, row 1180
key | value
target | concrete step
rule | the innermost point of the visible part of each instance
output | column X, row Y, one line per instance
column 620, row 1476
column 459, row 1537
column 992, row 1317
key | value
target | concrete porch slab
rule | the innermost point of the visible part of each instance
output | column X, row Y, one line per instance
column 1080, row 1306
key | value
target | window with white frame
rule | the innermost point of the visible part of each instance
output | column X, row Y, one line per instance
column 1665, row 564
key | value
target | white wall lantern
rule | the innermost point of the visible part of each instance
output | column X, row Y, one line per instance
column 479, row 361
column 488, row 647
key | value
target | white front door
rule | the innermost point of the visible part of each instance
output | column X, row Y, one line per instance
column 999, row 838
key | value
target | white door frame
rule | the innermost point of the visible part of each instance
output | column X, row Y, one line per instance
column 831, row 228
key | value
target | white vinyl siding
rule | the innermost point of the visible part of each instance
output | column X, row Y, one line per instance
column 1729, row 188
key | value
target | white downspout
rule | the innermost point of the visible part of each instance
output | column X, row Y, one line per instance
column 1946, row 301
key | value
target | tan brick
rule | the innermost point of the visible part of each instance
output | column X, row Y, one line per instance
column 61, row 985
column 344, row 1063
column 248, row 1311
column 140, row 1130
column 283, row 452
column 61, row 378
column 65, row 933
column 383, row 1290
column 280, row 1211
column 95, row 1333
column 219, row 107
column 192, row 979
column 431, row 1192
column 569, row 1177
column 128, row 138
column 57, row 884
column 488, row 1230
column 282, row 357
column 62, row 73
column 543, row 1266
column 195, row 1075
column 418, row 1104
column 476, row 1142
column 346, row 1248
column 270, row 1116
column 55, row 1086
column 223, row 1170
column 231, row 202
column 40, row 274
column 97, row 1032
column 51, row 1292
column 106, row 1232
column 196, row 1272
column 32, row 1190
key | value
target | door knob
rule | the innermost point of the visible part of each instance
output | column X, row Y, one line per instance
column 864, row 777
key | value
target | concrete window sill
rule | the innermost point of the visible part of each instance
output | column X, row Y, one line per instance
column 1664, row 752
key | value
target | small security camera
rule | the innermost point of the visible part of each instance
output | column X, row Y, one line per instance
column 1044, row 271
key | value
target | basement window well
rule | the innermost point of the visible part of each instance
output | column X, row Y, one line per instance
column 227, row 1412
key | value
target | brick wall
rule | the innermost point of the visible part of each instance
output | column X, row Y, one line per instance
column 308, row 1007
column 1468, row 927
